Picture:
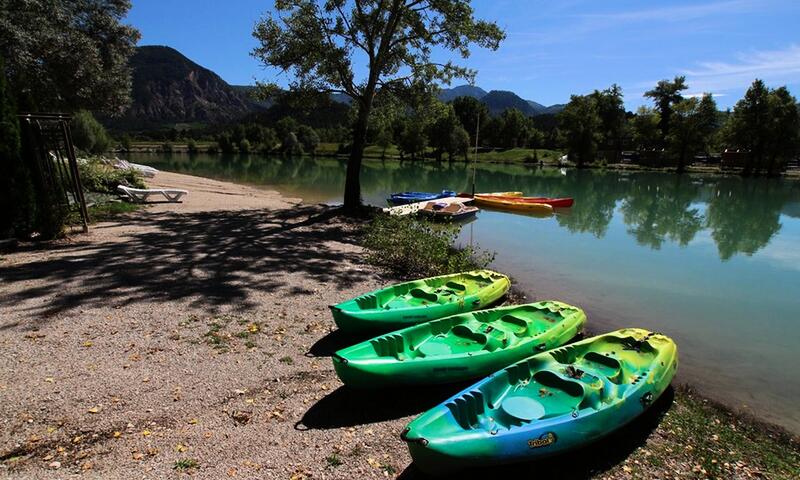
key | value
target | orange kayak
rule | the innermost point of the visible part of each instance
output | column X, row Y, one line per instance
column 553, row 202
column 512, row 203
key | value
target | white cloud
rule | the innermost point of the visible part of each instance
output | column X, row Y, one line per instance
column 680, row 13
column 775, row 67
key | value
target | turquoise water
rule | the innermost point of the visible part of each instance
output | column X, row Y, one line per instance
column 712, row 261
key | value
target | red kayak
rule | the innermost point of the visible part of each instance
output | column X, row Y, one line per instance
column 553, row 202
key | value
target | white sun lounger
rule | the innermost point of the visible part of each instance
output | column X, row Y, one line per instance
column 143, row 195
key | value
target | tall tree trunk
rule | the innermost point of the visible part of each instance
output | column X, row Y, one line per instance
column 352, row 184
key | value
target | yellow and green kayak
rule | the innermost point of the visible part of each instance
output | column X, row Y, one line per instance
column 457, row 348
column 550, row 403
column 513, row 204
column 418, row 301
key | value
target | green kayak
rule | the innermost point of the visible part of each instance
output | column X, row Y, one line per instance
column 550, row 403
column 461, row 347
column 410, row 303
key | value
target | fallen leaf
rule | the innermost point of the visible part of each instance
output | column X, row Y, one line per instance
column 94, row 410
column 138, row 455
column 55, row 464
column 192, row 421
column 180, row 448
column 252, row 328
column 49, row 380
column 87, row 466
column 117, row 434
column 87, row 344
column 231, row 472
column 207, row 435
column 147, row 433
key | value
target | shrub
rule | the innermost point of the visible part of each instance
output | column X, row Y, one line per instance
column 308, row 139
column 291, row 145
column 166, row 147
column 244, row 146
column 97, row 176
column 213, row 148
column 191, row 146
column 126, row 142
column 87, row 133
column 225, row 143
column 410, row 247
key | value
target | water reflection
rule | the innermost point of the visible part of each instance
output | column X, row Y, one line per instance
column 741, row 215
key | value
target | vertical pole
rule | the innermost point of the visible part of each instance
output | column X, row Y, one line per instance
column 475, row 157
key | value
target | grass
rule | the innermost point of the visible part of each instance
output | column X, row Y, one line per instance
column 287, row 360
column 185, row 464
column 408, row 247
column 106, row 211
column 333, row 460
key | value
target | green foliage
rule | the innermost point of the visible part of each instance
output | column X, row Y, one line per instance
column 410, row 247
column 470, row 111
column 308, row 138
column 64, row 55
column 225, row 143
column 693, row 123
column 291, row 145
column 665, row 95
column 412, row 140
column 97, row 176
column 185, row 464
column 17, row 200
column 88, row 134
column 645, row 130
column 126, row 142
column 765, row 123
column 515, row 129
column 108, row 210
column 191, row 146
column 459, row 143
column 611, row 109
column 285, row 126
column 244, row 146
column 580, row 123
column 166, row 147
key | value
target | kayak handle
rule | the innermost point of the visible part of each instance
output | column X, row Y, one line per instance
column 404, row 437
column 336, row 356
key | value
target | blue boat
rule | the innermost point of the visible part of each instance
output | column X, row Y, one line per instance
column 413, row 197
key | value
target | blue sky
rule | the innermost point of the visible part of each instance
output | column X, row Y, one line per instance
column 553, row 48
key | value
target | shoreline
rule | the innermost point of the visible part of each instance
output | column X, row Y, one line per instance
column 188, row 331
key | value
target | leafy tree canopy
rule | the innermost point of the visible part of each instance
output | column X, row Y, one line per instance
column 67, row 54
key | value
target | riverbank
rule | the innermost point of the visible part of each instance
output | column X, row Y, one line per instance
column 194, row 338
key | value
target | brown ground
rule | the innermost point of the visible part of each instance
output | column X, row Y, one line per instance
column 197, row 335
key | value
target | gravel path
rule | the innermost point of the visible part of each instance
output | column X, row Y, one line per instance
column 190, row 334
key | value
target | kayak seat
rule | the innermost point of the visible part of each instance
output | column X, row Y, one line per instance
column 423, row 295
column 557, row 394
column 467, row 338
column 603, row 365
column 515, row 325
column 460, row 287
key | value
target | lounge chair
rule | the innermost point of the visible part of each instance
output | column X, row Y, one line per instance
column 142, row 195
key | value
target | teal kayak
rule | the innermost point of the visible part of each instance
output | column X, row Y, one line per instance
column 411, row 303
column 460, row 347
column 550, row 403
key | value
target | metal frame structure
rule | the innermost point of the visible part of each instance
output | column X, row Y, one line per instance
column 49, row 144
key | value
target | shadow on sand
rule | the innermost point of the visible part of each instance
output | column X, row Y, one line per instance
column 586, row 462
column 347, row 407
column 216, row 258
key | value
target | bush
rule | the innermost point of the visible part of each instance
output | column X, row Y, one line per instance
column 96, row 176
column 291, row 145
column 126, row 142
column 191, row 146
column 87, row 133
column 166, row 147
column 308, row 139
column 244, row 146
column 213, row 148
column 409, row 247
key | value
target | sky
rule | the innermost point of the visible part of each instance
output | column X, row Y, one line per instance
column 553, row 48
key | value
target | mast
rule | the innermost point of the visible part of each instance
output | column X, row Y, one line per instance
column 475, row 156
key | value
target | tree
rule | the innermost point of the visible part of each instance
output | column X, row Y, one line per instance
column 611, row 109
column 88, row 134
column 285, row 126
column 225, row 143
column 16, row 194
column 693, row 123
column 66, row 55
column 440, row 130
column 470, row 111
column 383, row 139
column 644, row 124
column 269, row 139
column 580, row 124
column 412, row 139
column 244, row 146
column 459, row 143
column 291, row 145
column 765, row 124
column 308, row 138
column 514, row 132
column 665, row 95
column 319, row 43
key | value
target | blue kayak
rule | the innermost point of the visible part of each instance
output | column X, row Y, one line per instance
column 413, row 197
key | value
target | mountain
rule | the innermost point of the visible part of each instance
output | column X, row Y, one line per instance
column 499, row 100
column 448, row 94
column 170, row 88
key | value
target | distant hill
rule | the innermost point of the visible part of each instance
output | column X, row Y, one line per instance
column 170, row 88
column 499, row 100
column 448, row 94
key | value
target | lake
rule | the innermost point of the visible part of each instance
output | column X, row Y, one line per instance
column 712, row 261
